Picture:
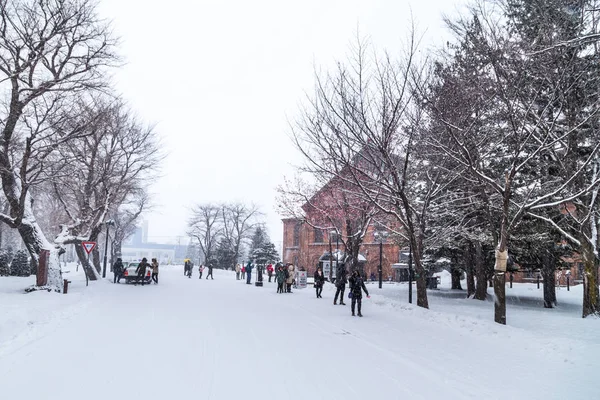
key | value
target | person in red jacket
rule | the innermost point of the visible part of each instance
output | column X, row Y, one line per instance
column 270, row 271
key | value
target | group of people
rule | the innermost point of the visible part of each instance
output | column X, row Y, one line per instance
column 244, row 271
column 357, row 286
column 188, row 268
column 119, row 271
column 284, row 276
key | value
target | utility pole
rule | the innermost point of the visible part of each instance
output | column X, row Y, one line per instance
column 410, row 273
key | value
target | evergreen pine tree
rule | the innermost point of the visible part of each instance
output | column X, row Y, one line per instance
column 265, row 254
column 224, row 255
column 259, row 238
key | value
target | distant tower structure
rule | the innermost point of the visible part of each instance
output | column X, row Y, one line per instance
column 145, row 231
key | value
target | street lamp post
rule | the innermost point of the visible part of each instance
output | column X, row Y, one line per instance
column 337, row 249
column 380, row 236
column 410, row 273
column 330, row 258
column 108, row 224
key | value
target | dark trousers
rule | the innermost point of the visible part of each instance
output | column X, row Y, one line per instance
column 270, row 276
column 140, row 277
column 200, row 277
column 155, row 277
column 289, row 287
column 279, row 287
column 117, row 277
column 209, row 274
column 340, row 291
column 237, row 276
column 248, row 277
column 319, row 290
column 356, row 300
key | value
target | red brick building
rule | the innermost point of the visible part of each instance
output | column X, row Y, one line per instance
column 306, row 240
column 303, row 245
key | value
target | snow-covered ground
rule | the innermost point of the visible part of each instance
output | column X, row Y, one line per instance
column 223, row 339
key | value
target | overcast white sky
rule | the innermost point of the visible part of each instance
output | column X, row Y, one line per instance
column 221, row 79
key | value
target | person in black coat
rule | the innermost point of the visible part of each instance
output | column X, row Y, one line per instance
column 340, row 283
column 210, row 268
column 357, row 285
column 117, row 270
column 319, row 282
column 141, row 270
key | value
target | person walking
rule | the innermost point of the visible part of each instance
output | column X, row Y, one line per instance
column 357, row 285
column 270, row 271
column 200, row 271
column 155, row 271
column 319, row 282
column 186, row 267
column 243, row 272
column 249, row 272
column 290, row 278
column 117, row 270
column 141, row 270
column 340, row 284
column 210, row 270
column 238, row 269
column 280, row 278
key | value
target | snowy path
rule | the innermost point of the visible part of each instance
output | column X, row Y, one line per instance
column 223, row 339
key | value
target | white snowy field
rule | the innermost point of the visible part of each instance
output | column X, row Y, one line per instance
column 223, row 339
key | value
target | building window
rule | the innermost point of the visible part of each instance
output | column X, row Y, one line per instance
column 318, row 235
column 297, row 234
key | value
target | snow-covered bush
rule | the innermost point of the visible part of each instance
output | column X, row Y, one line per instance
column 32, row 267
column 5, row 259
column 20, row 264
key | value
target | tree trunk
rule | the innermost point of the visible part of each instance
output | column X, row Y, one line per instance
column 35, row 241
column 500, row 278
column 96, row 259
column 500, row 297
column 90, row 271
column 421, row 277
column 456, row 273
column 591, row 300
column 94, row 234
column 481, row 273
column 468, row 260
column 549, row 278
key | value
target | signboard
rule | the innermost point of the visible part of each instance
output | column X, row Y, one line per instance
column 88, row 246
column 301, row 279
column 326, row 269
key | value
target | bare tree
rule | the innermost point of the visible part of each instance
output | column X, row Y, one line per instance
column 125, row 219
column 362, row 127
column 49, row 52
column 238, row 224
column 99, row 172
column 205, row 225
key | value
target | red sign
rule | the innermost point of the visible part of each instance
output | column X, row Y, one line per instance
column 88, row 246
